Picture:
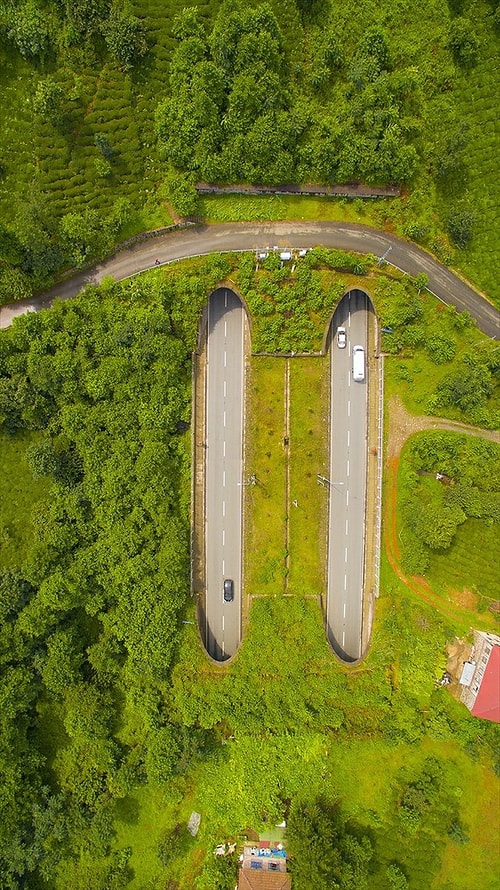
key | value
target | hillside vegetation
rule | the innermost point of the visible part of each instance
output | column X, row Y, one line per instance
column 111, row 110
column 114, row 726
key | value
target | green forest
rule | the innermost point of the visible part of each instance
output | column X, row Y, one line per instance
column 112, row 112
column 114, row 726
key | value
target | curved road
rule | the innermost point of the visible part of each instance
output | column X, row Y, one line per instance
column 205, row 239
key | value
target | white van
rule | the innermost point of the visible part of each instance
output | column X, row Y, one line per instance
column 358, row 363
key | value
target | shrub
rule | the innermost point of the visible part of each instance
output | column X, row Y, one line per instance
column 463, row 42
column 124, row 36
column 440, row 348
column 460, row 227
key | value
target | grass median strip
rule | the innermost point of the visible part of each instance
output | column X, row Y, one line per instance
column 265, row 544
column 308, row 456
column 266, row 458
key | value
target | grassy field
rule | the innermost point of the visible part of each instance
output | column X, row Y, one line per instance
column 265, row 502
column 19, row 492
column 240, row 208
column 415, row 374
column 308, row 456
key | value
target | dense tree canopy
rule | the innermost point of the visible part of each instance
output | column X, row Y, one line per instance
column 235, row 113
column 98, row 601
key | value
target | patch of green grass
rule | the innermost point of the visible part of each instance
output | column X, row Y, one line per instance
column 265, row 508
column 308, row 456
column 146, row 219
column 19, row 492
column 241, row 208
column 475, row 863
column 141, row 821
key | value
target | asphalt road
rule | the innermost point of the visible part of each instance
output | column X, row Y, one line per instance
column 224, row 470
column 204, row 239
column 347, row 482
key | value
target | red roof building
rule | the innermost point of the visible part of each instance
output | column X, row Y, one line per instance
column 263, row 867
column 249, row 880
column 481, row 682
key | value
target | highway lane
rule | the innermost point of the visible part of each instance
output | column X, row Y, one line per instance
column 203, row 239
column 223, row 470
column 347, row 488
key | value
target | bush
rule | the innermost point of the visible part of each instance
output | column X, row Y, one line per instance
column 440, row 348
column 125, row 39
column 182, row 194
column 29, row 31
column 460, row 227
column 14, row 285
column 463, row 42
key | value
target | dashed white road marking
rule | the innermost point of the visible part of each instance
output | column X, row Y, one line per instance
column 347, row 526
column 223, row 622
column 223, row 537
column 347, row 465
column 223, row 478
column 224, row 422
column 224, row 449
column 223, row 508
column 345, row 582
column 225, row 388
column 345, row 554
column 225, row 359
column 348, row 438
column 347, row 498
column 343, row 638
column 223, row 565
column 225, row 328
column 345, row 607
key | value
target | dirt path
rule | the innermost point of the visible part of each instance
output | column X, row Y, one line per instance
column 401, row 425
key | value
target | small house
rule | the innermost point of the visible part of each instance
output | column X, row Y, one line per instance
column 480, row 677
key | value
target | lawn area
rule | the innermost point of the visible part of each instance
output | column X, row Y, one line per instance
column 476, row 863
column 242, row 208
column 142, row 820
column 19, row 492
column 308, row 456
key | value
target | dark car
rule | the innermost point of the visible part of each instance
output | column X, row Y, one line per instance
column 228, row 590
